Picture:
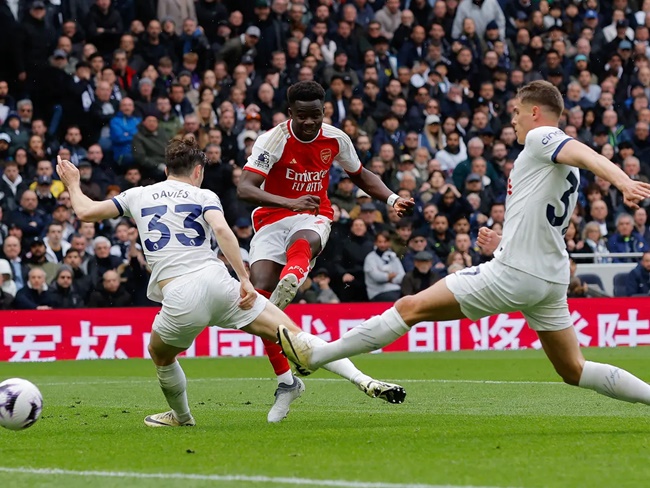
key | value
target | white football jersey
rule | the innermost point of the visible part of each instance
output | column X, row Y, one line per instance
column 175, row 236
column 541, row 197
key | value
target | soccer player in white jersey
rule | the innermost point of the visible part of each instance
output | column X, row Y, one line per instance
column 174, row 218
column 287, row 175
column 530, row 269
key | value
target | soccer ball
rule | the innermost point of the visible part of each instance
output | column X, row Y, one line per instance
column 20, row 404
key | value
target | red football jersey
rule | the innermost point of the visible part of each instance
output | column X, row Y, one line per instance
column 293, row 168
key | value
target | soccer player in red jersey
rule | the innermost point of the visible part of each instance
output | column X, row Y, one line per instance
column 287, row 176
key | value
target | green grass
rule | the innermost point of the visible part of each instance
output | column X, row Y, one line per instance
column 447, row 433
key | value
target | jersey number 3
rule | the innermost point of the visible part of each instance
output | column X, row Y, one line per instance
column 165, row 234
column 554, row 219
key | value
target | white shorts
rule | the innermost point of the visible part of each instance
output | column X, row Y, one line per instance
column 272, row 240
column 194, row 301
column 493, row 288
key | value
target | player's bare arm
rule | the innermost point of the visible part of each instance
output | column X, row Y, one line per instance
column 230, row 247
column 579, row 155
column 373, row 186
column 249, row 190
column 86, row 209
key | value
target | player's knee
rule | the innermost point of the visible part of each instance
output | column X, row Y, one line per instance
column 409, row 308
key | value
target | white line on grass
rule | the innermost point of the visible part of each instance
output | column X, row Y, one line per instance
column 220, row 478
column 216, row 380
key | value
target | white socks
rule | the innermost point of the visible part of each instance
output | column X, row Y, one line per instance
column 614, row 382
column 286, row 378
column 371, row 335
column 343, row 367
column 174, row 387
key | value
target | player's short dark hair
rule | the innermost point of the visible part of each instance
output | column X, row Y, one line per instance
column 542, row 93
column 182, row 155
column 305, row 91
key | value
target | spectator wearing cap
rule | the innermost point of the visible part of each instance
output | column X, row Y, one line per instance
column 149, row 144
column 89, row 187
column 123, row 127
column 433, row 138
column 344, row 195
column 399, row 240
column 46, row 200
column 422, row 276
column 363, row 198
column 324, row 294
column 28, row 217
column 18, row 135
column 383, row 271
column 619, row 29
column 63, row 289
column 236, row 48
column 38, row 36
column 243, row 230
column 37, row 258
column 35, row 294
column 372, row 219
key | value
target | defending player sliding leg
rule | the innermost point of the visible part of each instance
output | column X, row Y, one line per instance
column 293, row 274
column 173, row 385
column 434, row 303
column 563, row 349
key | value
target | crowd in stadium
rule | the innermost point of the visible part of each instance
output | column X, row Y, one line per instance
column 424, row 88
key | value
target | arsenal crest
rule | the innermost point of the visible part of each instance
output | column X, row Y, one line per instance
column 326, row 155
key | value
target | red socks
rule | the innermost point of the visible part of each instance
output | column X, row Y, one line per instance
column 273, row 350
column 298, row 258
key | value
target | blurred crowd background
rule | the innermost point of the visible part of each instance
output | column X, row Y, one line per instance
column 424, row 88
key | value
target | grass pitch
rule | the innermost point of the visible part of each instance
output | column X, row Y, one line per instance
column 498, row 419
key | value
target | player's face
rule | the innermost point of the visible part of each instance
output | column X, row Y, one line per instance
column 307, row 119
column 522, row 120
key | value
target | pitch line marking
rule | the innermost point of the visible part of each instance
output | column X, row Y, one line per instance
column 221, row 478
column 324, row 380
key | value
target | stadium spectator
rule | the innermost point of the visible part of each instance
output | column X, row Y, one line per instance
column 383, row 271
column 626, row 239
column 123, row 128
column 35, row 295
column 422, row 276
column 63, row 293
column 638, row 281
column 324, row 294
column 149, row 145
column 6, row 298
column 110, row 293
column 11, row 250
column 102, row 260
column 55, row 246
column 12, row 186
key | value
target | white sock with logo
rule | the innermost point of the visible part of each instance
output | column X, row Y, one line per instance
column 373, row 334
column 614, row 382
column 174, row 386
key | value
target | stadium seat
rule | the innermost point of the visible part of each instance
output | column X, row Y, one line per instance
column 620, row 280
column 592, row 279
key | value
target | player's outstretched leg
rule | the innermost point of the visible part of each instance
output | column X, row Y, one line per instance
column 434, row 303
column 173, row 385
column 345, row 368
column 563, row 349
column 293, row 274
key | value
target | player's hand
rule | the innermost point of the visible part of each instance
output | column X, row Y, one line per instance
column 634, row 192
column 488, row 240
column 248, row 295
column 306, row 203
column 67, row 171
column 404, row 207
column 132, row 235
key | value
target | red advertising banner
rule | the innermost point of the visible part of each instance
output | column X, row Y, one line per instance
column 51, row 335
